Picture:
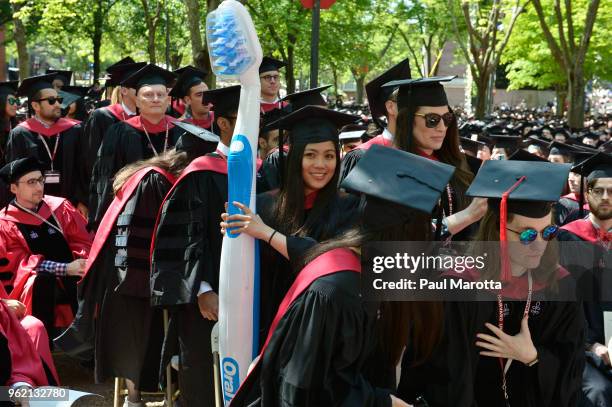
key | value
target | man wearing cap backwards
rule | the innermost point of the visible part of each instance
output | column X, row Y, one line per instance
column 44, row 245
column 269, row 77
column 596, row 232
column 149, row 134
column 186, row 256
column 103, row 118
column 49, row 138
column 190, row 87
column 382, row 102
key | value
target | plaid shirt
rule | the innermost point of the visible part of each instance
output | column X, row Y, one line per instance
column 51, row 267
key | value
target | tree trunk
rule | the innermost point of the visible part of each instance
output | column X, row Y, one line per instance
column 575, row 116
column 481, row 96
column 291, row 63
column 360, row 80
column 2, row 54
column 22, row 47
column 204, row 59
column 561, row 92
column 151, row 42
column 335, row 76
column 193, row 22
column 97, row 39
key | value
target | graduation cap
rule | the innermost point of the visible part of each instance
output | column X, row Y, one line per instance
column 64, row 76
column 536, row 141
column 377, row 95
column 30, row 86
column 14, row 170
column 270, row 117
column 597, row 166
column 122, row 61
column 422, row 91
column 345, row 136
column 149, row 75
column 270, row 64
column 224, row 100
column 557, row 148
column 196, row 141
column 525, row 188
column 522, row 155
column 9, row 88
column 471, row 145
column 77, row 90
column 303, row 98
column 68, row 98
column 504, row 141
column 314, row 124
column 121, row 72
column 188, row 77
column 396, row 184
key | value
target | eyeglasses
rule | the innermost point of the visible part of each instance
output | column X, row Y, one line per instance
column 52, row 100
column 599, row 192
column 12, row 101
column 268, row 78
column 529, row 235
column 33, row 181
column 433, row 119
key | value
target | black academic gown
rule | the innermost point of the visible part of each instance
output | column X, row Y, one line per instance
column 278, row 273
column 456, row 375
column 185, row 252
column 124, row 143
column 567, row 210
column 94, row 129
column 23, row 142
column 135, row 353
column 318, row 351
column 591, row 264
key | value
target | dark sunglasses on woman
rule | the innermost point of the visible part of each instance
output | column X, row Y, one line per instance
column 433, row 119
column 12, row 101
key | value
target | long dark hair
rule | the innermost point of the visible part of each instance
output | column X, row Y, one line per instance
column 289, row 212
column 449, row 153
column 416, row 322
column 5, row 121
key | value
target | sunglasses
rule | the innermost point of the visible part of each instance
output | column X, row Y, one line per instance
column 12, row 101
column 52, row 100
column 433, row 119
column 529, row 235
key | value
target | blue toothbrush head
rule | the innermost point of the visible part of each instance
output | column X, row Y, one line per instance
column 232, row 42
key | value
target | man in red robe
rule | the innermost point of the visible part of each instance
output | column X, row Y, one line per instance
column 269, row 77
column 43, row 246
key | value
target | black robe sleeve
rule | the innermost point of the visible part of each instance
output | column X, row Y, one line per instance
column 270, row 172
column 318, row 351
column 187, row 247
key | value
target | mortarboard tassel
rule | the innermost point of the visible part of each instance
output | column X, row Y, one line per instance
column 506, row 274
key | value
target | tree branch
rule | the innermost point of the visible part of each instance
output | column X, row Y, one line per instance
column 518, row 9
column 588, row 31
column 414, row 55
column 570, row 26
column 462, row 46
column 552, row 43
column 561, row 32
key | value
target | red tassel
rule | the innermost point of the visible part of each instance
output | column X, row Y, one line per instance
column 506, row 273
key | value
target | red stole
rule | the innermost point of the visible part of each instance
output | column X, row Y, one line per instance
column 114, row 210
column 265, row 107
column 15, row 215
column 118, row 111
column 140, row 123
column 34, row 126
column 330, row 262
column 378, row 140
column 428, row 156
column 517, row 288
column 205, row 123
column 585, row 230
column 310, row 199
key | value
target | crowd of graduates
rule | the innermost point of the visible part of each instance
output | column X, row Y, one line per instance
column 114, row 206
